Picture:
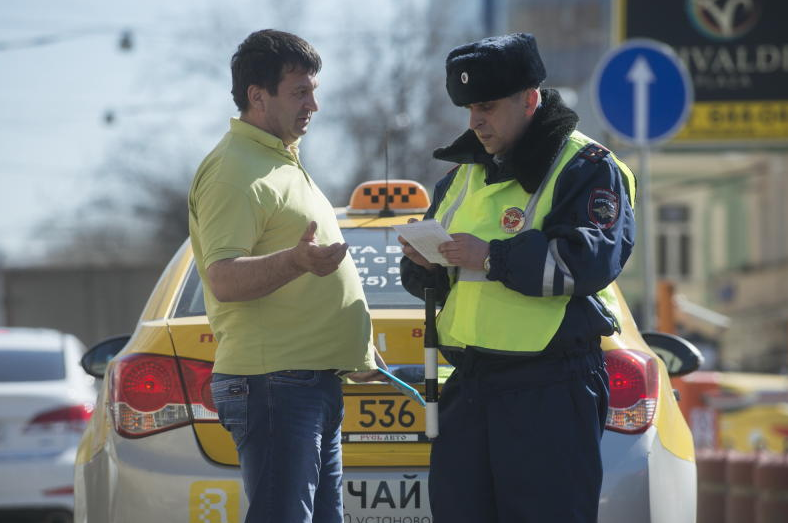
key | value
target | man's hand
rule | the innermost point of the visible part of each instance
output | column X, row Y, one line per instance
column 371, row 375
column 466, row 251
column 413, row 254
column 311, row 257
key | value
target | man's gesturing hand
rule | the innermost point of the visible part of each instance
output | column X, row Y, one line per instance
column 412, row 253
column 311, row 257
column 466, row 251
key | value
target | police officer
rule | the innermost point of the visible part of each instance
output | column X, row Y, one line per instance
column 542, row 223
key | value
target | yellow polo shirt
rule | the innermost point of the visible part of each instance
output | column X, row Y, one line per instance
column 251, row 197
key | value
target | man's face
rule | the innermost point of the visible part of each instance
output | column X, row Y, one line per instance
column 287, row 114
column 499, row 123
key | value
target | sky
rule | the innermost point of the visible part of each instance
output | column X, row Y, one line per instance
column 53, row 98
column 63, row 70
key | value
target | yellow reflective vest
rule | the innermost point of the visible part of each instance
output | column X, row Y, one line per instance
column 484, row 313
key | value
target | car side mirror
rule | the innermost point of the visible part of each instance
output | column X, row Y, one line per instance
column 96, row 359
column 680, row 356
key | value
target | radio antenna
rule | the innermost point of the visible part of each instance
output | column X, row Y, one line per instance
column 385, row 212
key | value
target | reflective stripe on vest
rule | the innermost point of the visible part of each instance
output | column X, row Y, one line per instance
column 485, row 313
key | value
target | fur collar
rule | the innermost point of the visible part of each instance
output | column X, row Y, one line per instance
column 532, row 155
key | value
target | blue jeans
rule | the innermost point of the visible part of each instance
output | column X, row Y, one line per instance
column 287, row 429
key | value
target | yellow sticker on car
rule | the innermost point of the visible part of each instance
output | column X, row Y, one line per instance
column 214, row 502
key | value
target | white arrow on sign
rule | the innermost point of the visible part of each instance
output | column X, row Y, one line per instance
column 641, row 76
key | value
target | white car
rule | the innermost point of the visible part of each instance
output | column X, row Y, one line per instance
column 46, row 400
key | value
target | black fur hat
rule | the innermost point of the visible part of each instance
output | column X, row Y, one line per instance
column 493, row 68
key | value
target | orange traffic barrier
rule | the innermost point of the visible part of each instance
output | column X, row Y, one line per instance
column 711, row 465
column 771, row 483
column 740, row 499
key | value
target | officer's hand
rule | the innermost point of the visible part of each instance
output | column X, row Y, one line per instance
column 413, row 254
column 321, row 260
column 466, row 251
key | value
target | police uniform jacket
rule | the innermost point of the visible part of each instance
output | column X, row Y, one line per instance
column 592, row 241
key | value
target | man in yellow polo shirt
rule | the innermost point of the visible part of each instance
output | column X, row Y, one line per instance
column 283, row 299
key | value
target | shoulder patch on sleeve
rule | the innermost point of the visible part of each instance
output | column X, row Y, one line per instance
column 594, row 152
column 603, row 208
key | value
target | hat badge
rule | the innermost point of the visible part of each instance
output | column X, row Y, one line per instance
column 464, row 77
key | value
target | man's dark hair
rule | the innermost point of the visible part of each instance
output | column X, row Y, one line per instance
column 264, row 58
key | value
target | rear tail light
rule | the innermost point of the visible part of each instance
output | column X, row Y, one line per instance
column 148, row 394
column 73, row 418
column 634, row 388
column 197, row 375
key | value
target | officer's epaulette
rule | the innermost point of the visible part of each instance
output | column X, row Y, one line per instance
column 594, row 152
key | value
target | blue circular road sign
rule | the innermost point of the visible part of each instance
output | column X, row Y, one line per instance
column 642, row 91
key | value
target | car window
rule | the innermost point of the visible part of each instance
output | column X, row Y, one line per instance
column 376, row 253
column 191, row 302
column 31, row 365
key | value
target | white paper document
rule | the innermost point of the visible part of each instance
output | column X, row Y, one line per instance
column 425, row 236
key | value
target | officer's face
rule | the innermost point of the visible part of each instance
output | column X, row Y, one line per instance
column 499, row 123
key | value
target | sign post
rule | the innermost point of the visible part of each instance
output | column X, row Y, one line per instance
column 642, row 93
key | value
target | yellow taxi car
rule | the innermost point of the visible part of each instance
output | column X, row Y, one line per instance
column 155, row 451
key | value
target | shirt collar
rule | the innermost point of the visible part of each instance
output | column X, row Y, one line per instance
column 238, row 126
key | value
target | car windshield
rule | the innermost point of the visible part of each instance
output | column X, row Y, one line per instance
column 376, row 253
column 31, row 365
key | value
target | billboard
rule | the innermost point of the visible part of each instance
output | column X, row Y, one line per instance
column 736, row 52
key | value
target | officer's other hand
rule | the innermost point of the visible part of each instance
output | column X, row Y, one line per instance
column 321, row 260
column 466, row 251
column 412, row 253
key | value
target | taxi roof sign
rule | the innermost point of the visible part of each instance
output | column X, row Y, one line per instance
column 403, row 197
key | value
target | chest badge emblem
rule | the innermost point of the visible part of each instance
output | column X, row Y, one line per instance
column 513, row 220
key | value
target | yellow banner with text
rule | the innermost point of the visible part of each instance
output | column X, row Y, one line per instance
column 727, row 120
